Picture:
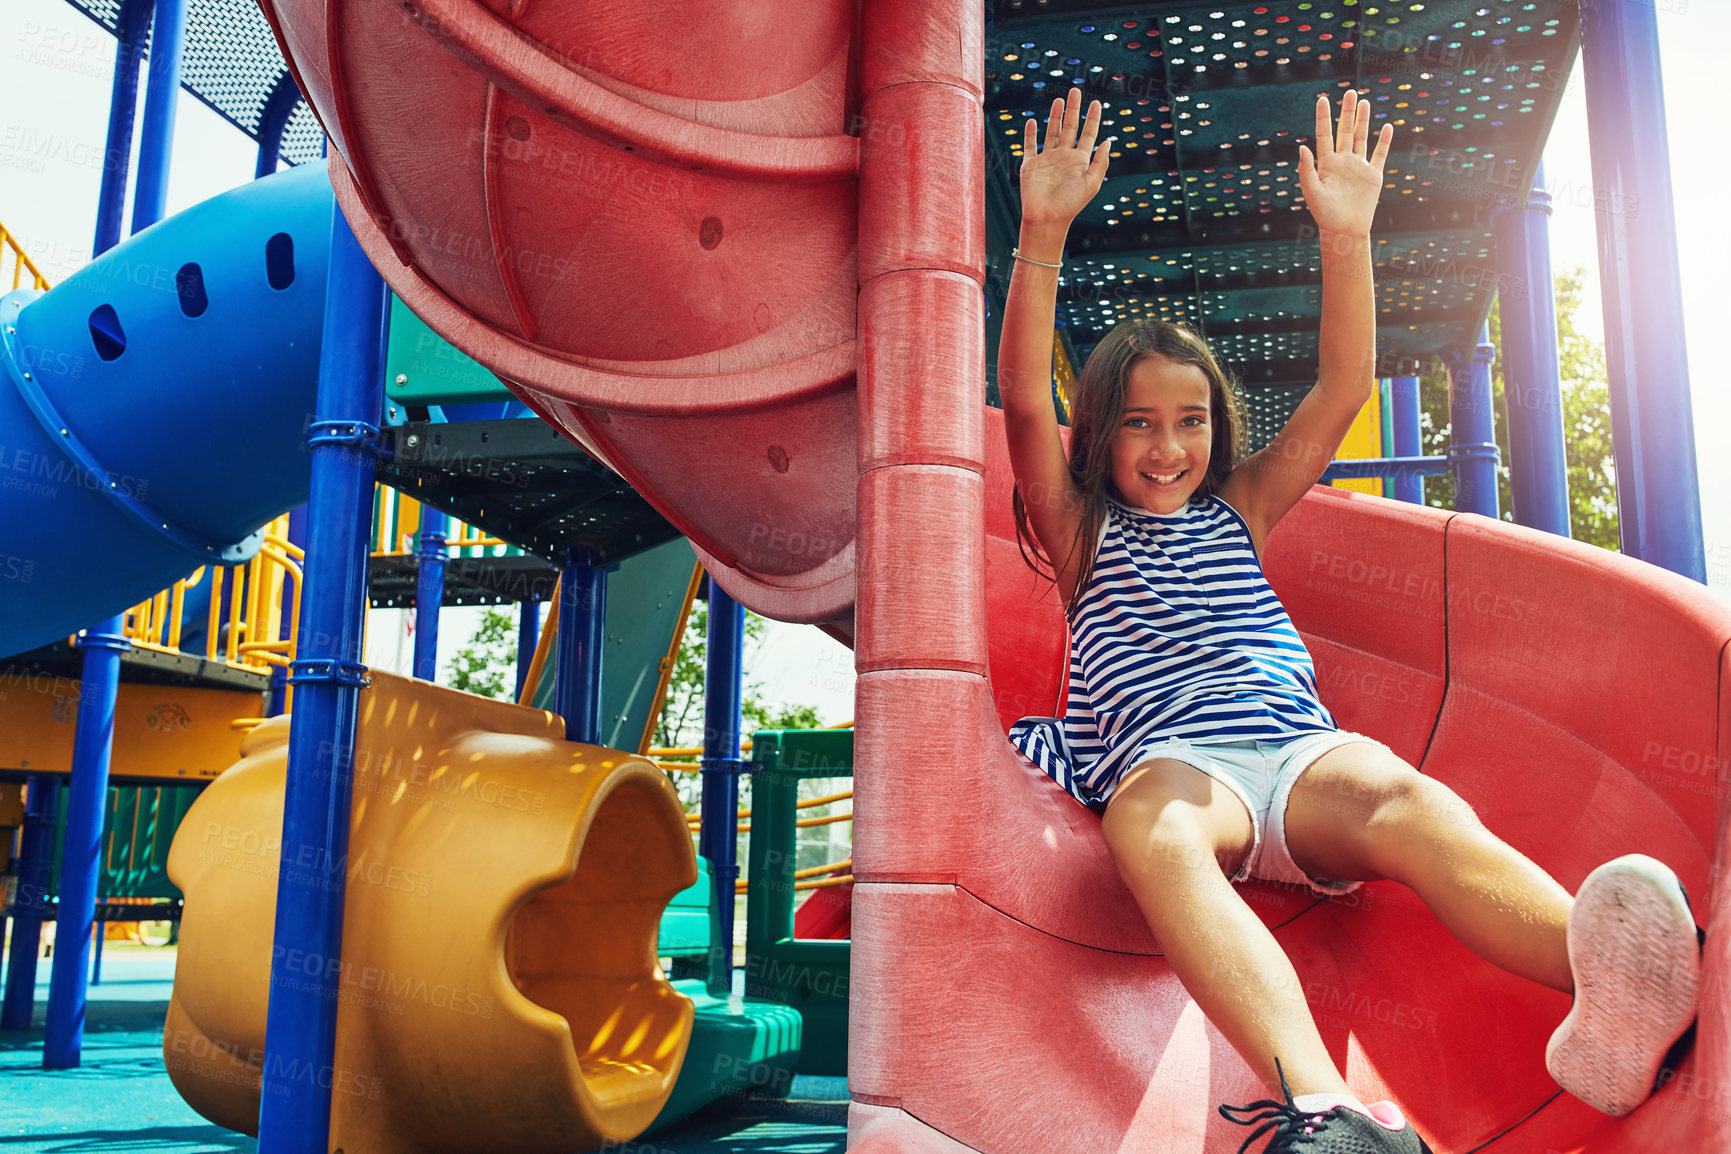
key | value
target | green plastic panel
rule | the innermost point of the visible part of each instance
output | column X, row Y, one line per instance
column 644, row 597
column 138, row 828
column 423, row 368
column 738, row 1045
column 810, row 976
column 685, row 925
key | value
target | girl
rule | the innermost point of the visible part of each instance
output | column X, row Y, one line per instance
column 1193, row 717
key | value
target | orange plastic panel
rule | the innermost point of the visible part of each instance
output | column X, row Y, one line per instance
column 162, row 732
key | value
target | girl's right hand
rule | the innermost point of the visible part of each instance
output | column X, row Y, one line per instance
column 1059, row 180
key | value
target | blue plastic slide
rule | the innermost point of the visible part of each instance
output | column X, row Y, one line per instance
column 155, row 405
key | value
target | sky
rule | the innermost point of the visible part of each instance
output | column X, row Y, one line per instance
column 55, row 71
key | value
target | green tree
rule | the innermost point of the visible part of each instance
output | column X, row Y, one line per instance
column 487, row 665
column 681, row 719
column 1586, row 424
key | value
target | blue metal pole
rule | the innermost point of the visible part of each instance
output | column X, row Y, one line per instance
column 577, row 671
column 306, row 957
column 528, row 637
column 1403, row 419
column 277, row 701
column 1472, row 441
column 122, row 111
column 1652, row 422
column 1385, row 411
column 429, row 591
column 99, row 931
column 93, row 738
column 718, row 836
column 278, row 107
column 1532, row 381
column 161, row 95
column 35, row 868
column 81, row 855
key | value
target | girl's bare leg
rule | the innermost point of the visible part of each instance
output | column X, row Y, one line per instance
column 1360, row 812
column 1176, row 835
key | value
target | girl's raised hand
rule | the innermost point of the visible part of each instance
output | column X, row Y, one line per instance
column 1341, row 185
column 1059, row 180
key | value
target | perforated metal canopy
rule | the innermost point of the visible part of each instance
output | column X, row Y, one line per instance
column 1201, row 219
column 230, row 61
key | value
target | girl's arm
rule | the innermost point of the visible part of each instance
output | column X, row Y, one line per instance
column 1341, row 185
column 1057, row 183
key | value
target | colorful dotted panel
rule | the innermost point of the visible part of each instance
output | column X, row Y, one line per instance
column 1202, row 219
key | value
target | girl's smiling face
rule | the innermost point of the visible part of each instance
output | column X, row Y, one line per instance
column 1164, row 437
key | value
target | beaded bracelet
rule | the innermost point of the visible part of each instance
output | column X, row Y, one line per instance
column 1017, row 253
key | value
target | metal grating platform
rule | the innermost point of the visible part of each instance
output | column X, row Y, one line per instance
column 1201, row 220
column 145, row 666
column 392, row 581
column 521, row 481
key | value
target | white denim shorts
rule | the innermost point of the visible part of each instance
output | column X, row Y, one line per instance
column 1262, row 774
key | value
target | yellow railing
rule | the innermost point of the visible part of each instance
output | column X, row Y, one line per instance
column 549, row 633
column 397, row 527
column 808, row 879
column 1063, row 372
column 247, row 632
column 813, row 879
column 20, row 262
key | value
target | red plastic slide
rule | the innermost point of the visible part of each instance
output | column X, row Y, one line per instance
column 749, row 279
column 827, row 913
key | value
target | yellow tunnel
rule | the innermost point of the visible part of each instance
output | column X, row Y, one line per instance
column 499, row 987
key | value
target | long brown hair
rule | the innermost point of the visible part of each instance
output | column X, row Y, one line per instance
column 1098, row 406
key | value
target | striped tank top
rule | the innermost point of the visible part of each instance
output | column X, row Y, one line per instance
column 1177, row 635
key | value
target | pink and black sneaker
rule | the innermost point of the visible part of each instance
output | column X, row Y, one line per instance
column 1340, row 1128
column 1636, row 956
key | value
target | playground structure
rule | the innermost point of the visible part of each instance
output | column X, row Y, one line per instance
column 805, row 409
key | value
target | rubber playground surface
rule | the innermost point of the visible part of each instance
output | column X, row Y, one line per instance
column 121, row 1099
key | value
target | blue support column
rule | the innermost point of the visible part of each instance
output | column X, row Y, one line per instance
column 1652, row 421
column 528, row 637
column 429, row 591
column 1385, row 411
column 98, row 935
column 582, row 628
column 1472, row 451
column 1404, row 424
column 161, row 96
column 718, row 838
column 93, row 737
column 278, row 107
column 134, row 27
column 1532, row 381
column 35, row 868
column 306, row 957
column 81, row 855
column 277, row 701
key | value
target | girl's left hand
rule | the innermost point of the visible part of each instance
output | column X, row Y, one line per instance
column 1340, row 184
